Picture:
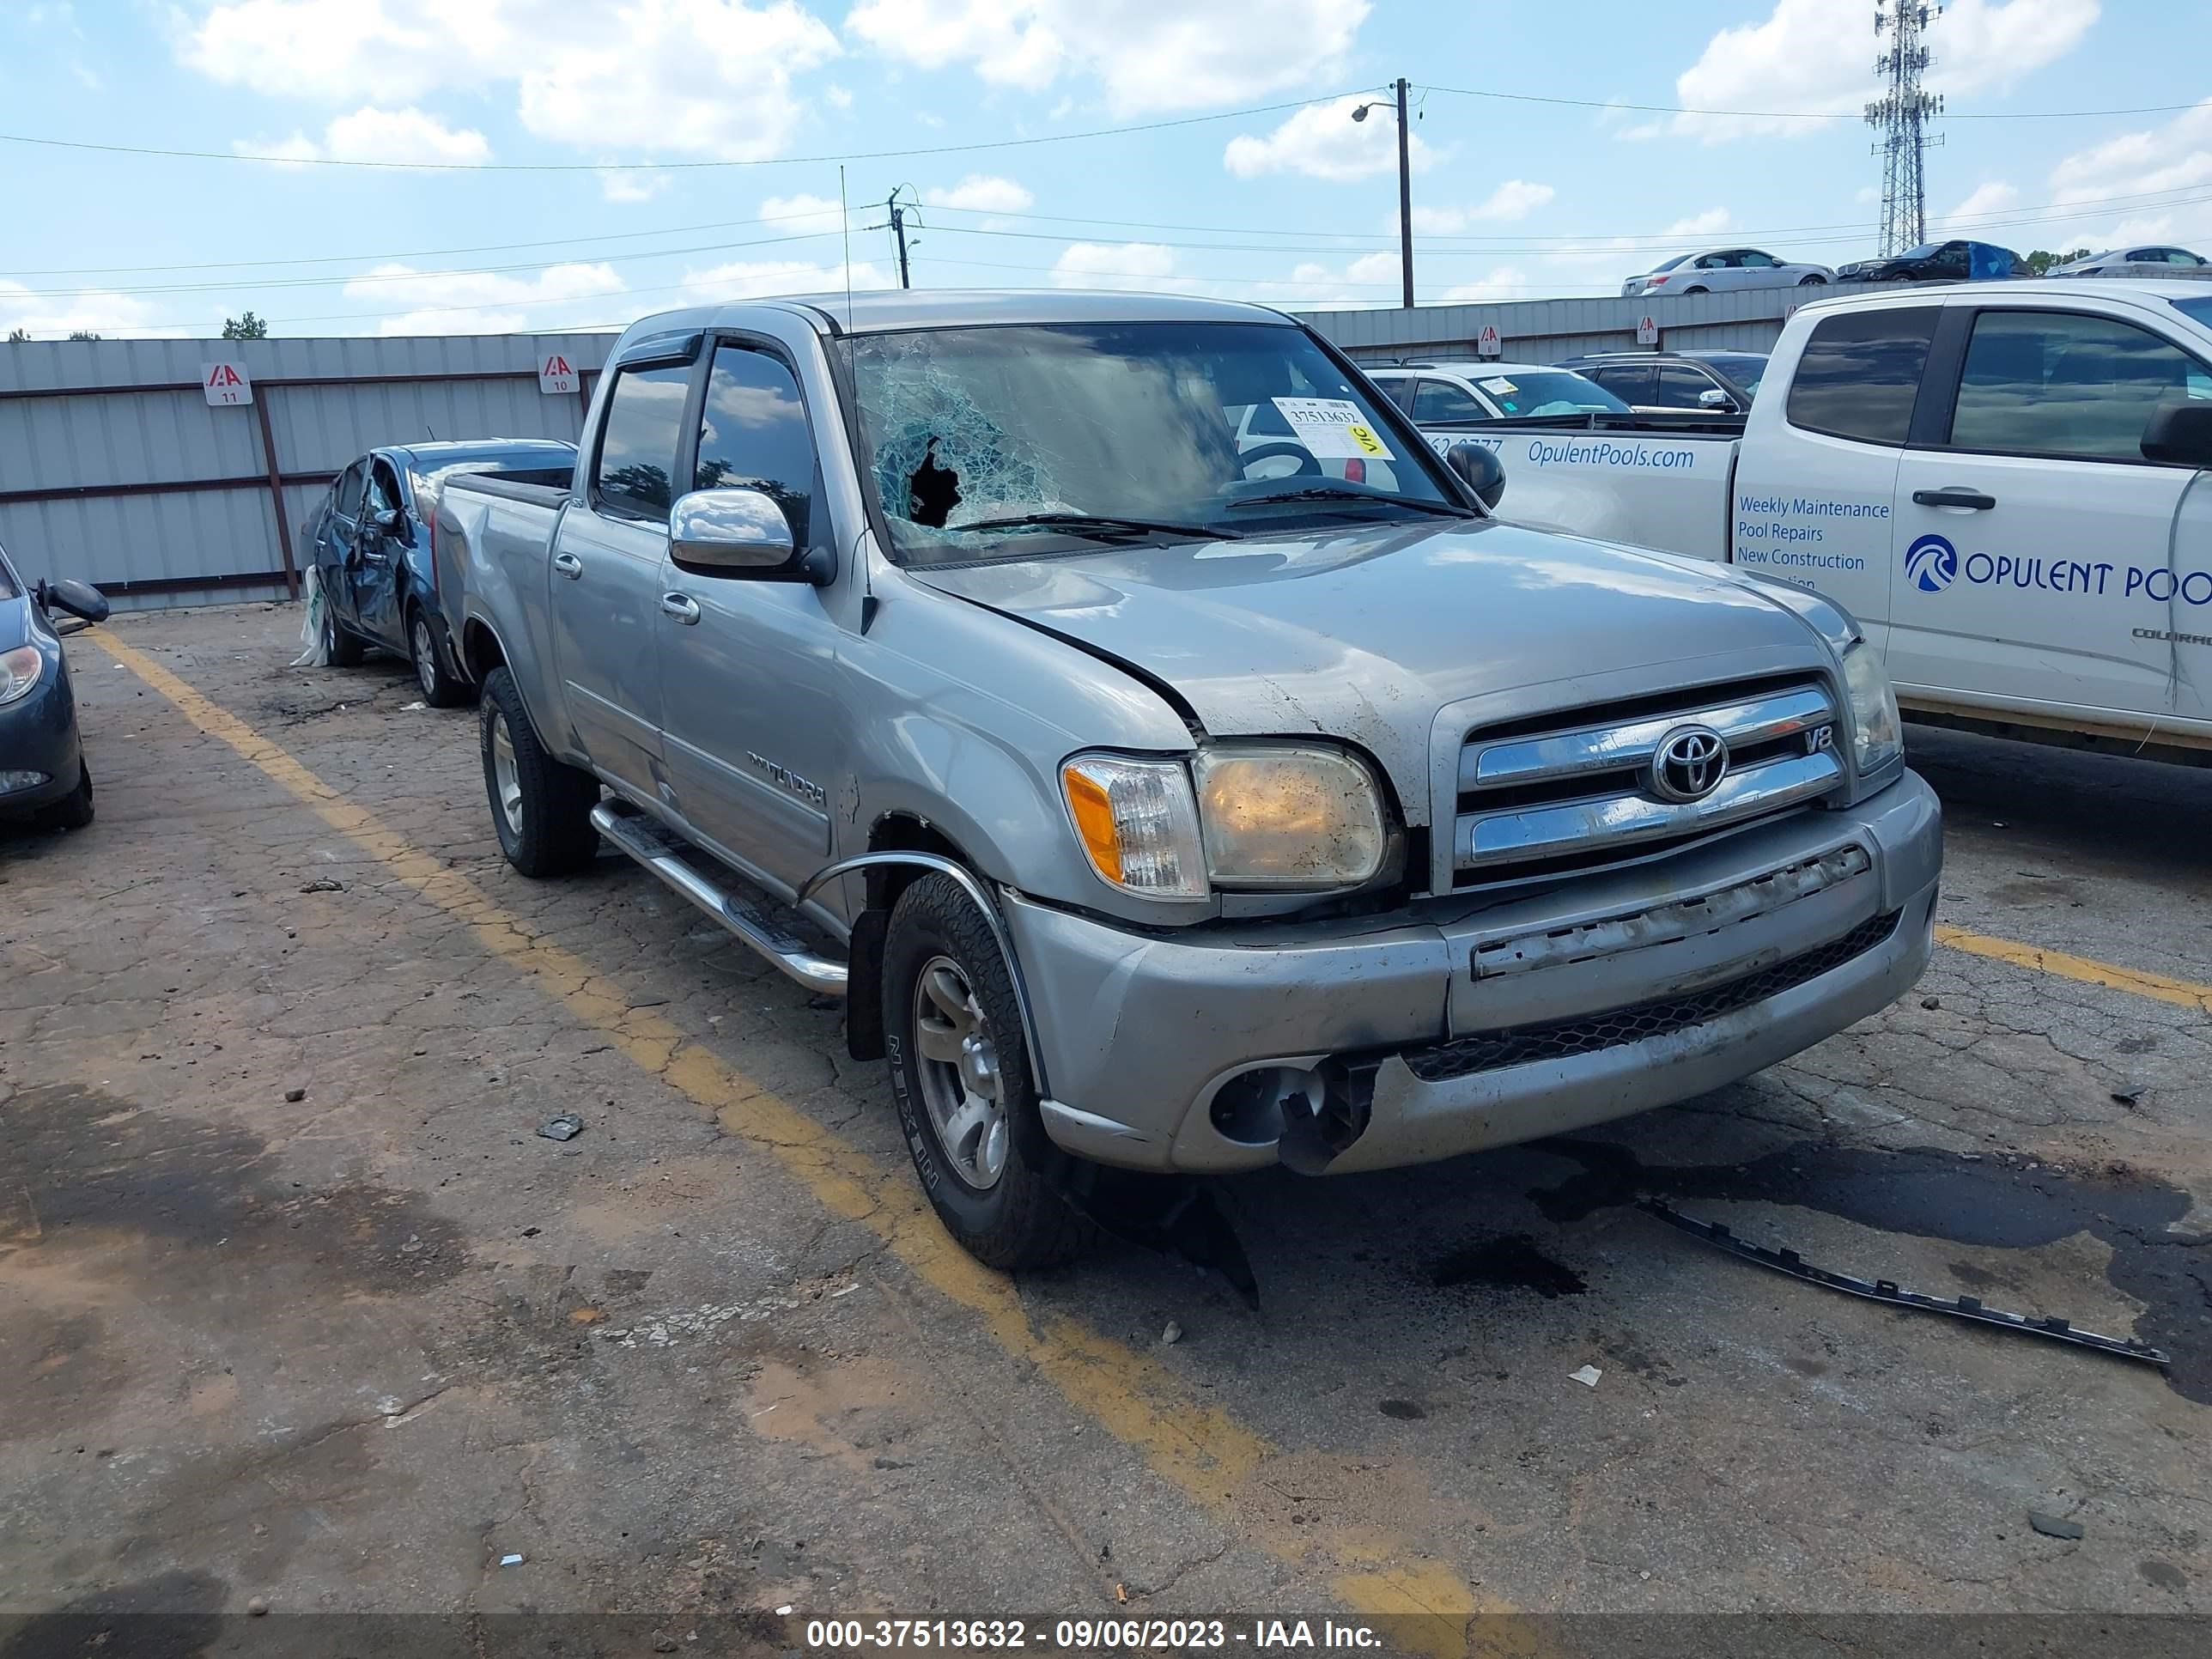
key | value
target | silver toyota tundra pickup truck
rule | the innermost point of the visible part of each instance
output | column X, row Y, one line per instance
column 1165, row 787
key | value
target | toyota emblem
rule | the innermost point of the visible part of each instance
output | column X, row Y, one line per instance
column 1688, row 764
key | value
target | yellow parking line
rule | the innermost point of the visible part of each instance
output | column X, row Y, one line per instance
column 1197, row 1448
column 2087, row 969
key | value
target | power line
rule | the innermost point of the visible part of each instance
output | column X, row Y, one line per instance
column 669, row 166
column 1808, row 114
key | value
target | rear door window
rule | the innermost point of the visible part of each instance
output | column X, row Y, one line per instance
column 2066, row 384
column 1440, row 402
column 637, row 464
column 753, row 433
column 1632, row 383
column 1860, row 374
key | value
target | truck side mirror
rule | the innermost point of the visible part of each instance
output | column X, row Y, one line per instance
column 78, row 599
column 1478, row 465
column 2180, row 433
column 741, row 532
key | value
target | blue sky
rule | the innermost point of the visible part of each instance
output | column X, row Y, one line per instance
column 1295, row 206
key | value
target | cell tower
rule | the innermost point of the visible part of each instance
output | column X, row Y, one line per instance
column 1902, row 114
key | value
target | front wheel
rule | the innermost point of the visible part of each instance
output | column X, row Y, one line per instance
column 74, row 810
column 440, row 688
column 541, row 808
column 960, row 1073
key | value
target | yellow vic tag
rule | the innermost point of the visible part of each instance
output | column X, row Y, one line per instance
column 1365, row 438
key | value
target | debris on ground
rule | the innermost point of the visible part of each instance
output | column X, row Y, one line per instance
column 2129, row 1096
column 1888, row 1291
column 1931, row 1002
column 324, row 884
column 2054, row 1526
column 294, row 1096
column 510, row 1560
column 1586, row 1376
column 410, row 707
column 259, row 1606
column 567, row 1126
column 1171, row 1335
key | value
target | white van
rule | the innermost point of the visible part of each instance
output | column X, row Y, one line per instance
column 2000, row 481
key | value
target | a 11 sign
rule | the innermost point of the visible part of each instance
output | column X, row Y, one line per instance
column 226, row 384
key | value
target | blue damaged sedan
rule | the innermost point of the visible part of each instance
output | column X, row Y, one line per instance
column 43, row 776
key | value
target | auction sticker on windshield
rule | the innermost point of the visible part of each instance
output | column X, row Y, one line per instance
column 1332, row 428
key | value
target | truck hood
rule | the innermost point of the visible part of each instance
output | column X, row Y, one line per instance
column 1365, row 635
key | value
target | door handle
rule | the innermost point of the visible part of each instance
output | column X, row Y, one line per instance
column 682, row 606
column 1955, row 497
column 569, row 565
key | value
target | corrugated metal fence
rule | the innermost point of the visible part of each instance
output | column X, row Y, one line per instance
column 114, row 467
column 1545, row 330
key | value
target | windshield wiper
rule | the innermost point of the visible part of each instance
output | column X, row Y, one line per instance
column 1103, row 527
column 1342, row 493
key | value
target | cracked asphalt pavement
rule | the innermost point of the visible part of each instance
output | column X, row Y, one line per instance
column 298, row 1310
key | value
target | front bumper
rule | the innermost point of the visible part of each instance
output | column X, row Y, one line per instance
column 1598, row 998
column 38, row 735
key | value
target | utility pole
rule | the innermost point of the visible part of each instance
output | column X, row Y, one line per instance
column 1902, row 112
column 1401, row 88
column 1404, row 197
column 898, row 230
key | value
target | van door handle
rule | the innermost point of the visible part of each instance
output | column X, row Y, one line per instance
column 682, row 606
column 569, row 565
column 1955, row 497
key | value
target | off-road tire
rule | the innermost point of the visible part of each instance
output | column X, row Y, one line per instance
column 440, row 688
column 341, row 649
column 74, row 810
column 554, row 836
column 1024, row 1220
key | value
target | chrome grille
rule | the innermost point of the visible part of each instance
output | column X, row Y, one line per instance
column 1580, row 793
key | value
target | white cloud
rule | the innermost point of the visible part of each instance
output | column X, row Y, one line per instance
column 370, row 133
column 753, row 279
column 1148, row 55
column 1115, row 265
column 1516, row 198
column 56, row 316
column 1505, row 282
column 1372, row 279
column 1992, row 196
column 631, row 184
column 1711, row 222
column 1323, row 142
column 981, row 193
column 1818, row 55
column 704, row 76
column 2101, row 179
column 480, row 303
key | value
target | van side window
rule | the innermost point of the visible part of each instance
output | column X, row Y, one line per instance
column 1860, row 374
column 753, row 434
column 637, row 451
column 2064, row 383
column 1440, row 400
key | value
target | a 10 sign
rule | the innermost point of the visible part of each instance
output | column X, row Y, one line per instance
column 225, row 384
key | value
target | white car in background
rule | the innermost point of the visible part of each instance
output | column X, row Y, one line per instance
column 1454, row 394
column 1722, row 270
column 2138, row 262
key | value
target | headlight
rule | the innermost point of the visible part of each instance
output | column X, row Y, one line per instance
column 1877, row 735
column 1138, row 824
column 1296, row 818
column 19, row 672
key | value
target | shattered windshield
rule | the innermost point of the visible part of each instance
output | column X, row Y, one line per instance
column 1003, row 442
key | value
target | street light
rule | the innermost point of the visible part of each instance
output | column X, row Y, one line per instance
column 1405, row 186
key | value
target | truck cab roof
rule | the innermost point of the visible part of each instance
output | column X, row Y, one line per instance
column 890, row 310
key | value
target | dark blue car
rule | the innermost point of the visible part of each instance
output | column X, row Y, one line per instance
column 43, row 776
column 370, row 541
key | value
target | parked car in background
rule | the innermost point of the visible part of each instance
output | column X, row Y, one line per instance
column 1723, row 381
column 1454, row 393
column 1149, row 813
column 1724, row 270
column 371, row 542
column 1936, row 261
column 43, row 774
column 2137, row 262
